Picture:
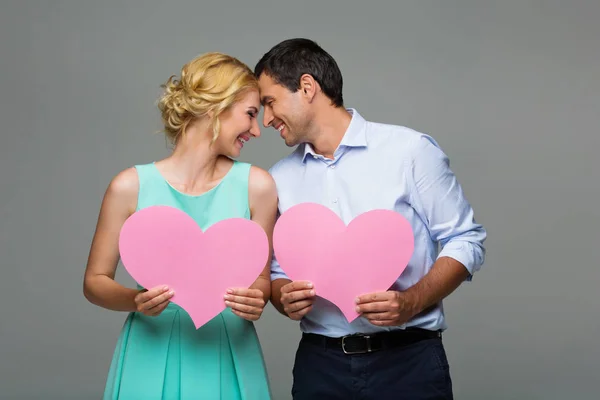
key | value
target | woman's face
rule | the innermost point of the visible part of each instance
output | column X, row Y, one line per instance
column 239, row 125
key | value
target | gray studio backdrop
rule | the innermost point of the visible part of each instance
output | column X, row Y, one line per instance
column 510, row 89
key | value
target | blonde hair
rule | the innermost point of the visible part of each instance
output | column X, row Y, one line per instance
column 211, row 82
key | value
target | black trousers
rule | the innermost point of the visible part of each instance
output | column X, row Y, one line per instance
column 416, row 371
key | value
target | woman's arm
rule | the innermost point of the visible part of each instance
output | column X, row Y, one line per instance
column 262, row 192
column 263, row 206
column 99, row 286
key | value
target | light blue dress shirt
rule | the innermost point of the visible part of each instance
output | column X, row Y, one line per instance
column 379, row 166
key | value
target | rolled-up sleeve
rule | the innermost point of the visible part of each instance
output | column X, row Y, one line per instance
column 276, row 271
column 441, row 202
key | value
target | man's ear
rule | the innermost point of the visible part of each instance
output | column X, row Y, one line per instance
column 308, row 86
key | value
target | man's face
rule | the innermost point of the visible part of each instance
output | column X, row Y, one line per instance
column 287, row 112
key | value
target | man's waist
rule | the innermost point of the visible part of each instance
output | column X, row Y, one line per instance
column 360, row 343
column 325, row 319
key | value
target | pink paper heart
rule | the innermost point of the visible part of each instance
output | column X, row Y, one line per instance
column 312, row 243
column 162, row 245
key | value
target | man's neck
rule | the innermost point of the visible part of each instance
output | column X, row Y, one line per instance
column 329, row 129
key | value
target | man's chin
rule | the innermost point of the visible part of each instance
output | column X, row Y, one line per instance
column 290, row 143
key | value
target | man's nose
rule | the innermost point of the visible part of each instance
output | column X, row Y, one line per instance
column 267, row 117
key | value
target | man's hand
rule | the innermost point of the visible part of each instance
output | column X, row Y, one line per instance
column 387, row 308
column 297, row 298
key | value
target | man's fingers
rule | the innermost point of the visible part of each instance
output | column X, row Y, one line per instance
column 297, row 306
column 379, row 316
column 296, row 285
column 387, row 322
column 380, row 306
column 300, row 313
column 288, row 298
column 374, row 297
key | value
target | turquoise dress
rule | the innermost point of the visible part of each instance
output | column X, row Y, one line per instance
column 165, row 357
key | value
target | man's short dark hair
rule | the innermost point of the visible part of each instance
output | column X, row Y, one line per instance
column 287, row 61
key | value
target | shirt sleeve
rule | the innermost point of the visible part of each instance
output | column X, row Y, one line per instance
column 276, row 270
column 441, row 202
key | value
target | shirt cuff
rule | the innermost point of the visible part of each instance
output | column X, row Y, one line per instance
column 468, row 254
column 277, row 272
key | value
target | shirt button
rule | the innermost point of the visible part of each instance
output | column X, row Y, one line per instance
column 332, row 166
column 335, row 200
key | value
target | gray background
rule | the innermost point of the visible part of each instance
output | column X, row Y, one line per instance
column 510, row 89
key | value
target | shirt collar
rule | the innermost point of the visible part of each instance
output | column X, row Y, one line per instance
column 355, row 135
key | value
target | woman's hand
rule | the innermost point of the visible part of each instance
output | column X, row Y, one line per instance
column 249, row 303
column 152, row 302
column 246, row 303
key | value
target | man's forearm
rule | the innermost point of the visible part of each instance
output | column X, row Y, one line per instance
column 264, row 285
column 445, row 277
column 276, row 286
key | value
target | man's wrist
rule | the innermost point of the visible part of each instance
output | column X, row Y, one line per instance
column 414, row 300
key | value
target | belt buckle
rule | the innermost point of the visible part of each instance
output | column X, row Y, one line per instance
column 368, row 340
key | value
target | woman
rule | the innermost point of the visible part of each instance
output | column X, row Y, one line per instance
column 209, row 114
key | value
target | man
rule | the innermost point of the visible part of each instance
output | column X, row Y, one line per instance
column 394, row 349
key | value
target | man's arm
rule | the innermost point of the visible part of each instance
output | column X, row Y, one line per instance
column 292, row 299
column 278, row 280
column 393, row 308
column 276, row 286
column 439, row 199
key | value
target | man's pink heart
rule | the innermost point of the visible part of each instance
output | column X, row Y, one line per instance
column 312, row 243
column 162, row 245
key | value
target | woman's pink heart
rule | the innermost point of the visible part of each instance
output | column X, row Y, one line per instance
column 312, row 243
column 162, row 245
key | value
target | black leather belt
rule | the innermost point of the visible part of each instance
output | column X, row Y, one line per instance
column 368, row 343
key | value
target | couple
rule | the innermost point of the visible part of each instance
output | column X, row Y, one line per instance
column 394, row 350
